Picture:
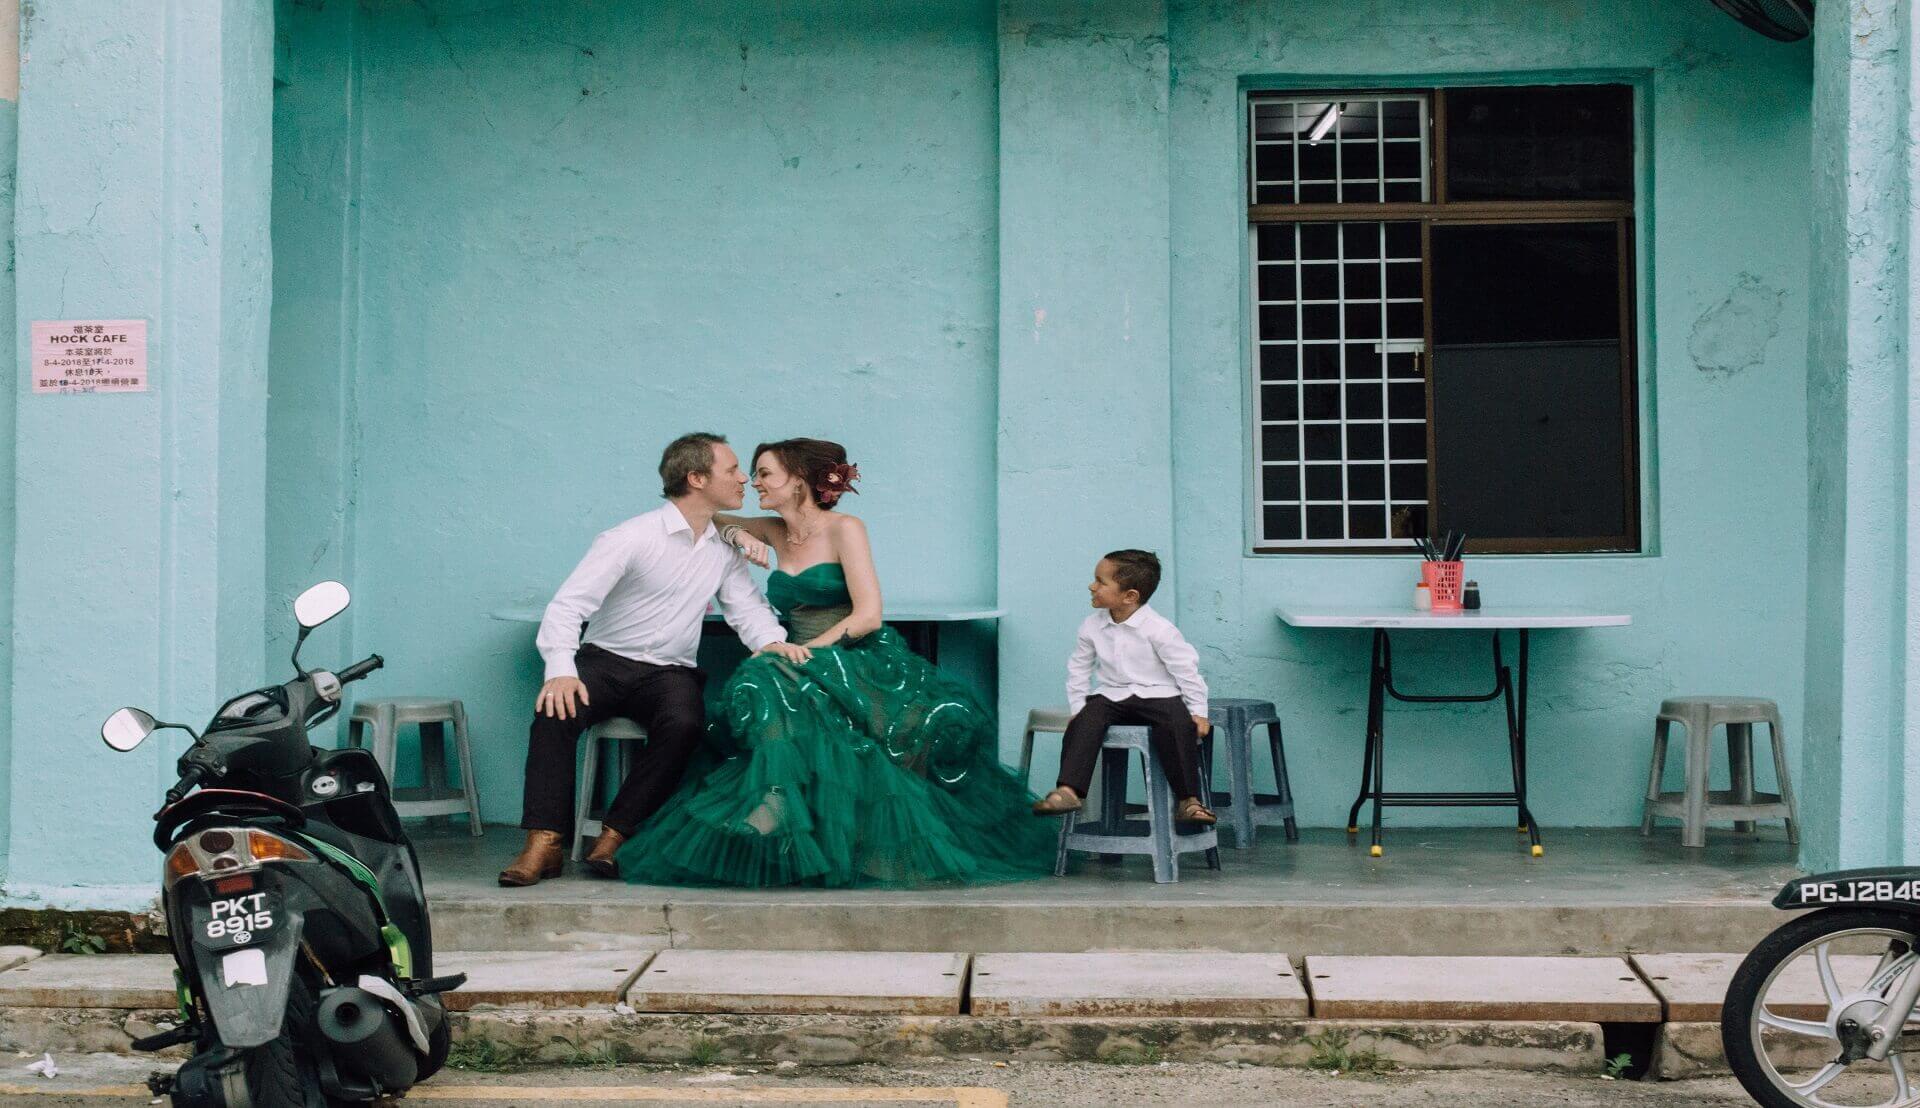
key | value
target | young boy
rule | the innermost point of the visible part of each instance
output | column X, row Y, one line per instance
column 1148, row 674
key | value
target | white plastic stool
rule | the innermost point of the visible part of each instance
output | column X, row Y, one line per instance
column 434, row 797
column 1695, row 805
column 1156, row 836
column 618, row 731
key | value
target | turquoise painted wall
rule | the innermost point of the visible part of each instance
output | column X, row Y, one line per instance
column 520, row 247
column 9, row 402
column 516, row 252
column 1718, row 600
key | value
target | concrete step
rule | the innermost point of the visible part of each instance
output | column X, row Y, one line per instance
column 1150, row 983
column 538, row 979
column 763, row 981
column 1602, row 990
column 122, row 981
column 1693, row 986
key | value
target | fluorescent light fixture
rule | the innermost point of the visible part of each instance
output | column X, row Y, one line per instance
column 1324, row 124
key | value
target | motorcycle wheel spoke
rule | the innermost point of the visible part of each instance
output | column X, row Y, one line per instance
column 1798, row 1027
column 1820, row 1080
column 1823, row 957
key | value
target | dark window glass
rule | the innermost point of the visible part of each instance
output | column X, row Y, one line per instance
column 1527, row 380
column 1282, row 523
column 1558, row 142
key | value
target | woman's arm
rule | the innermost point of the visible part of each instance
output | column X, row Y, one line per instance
column 850, row 545
column 752, row 535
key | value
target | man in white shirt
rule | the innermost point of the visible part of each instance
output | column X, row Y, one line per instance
column 641, row 592
column 1148, row 675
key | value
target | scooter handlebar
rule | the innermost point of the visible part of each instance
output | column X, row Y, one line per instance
column 193, row 776
column 360, row 669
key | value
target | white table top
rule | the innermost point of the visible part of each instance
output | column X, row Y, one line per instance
column 1483, row 619
column 904, row 613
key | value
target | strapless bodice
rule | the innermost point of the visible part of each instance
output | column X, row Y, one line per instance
column 812, row 600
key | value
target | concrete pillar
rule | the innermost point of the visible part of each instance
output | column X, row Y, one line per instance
column 143, row 193
column 1084, row 452
column 1860, row 781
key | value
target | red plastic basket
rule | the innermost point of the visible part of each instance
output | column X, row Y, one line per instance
column 1443, row 581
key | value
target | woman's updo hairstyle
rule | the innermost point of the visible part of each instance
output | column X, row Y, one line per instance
column 822, row 465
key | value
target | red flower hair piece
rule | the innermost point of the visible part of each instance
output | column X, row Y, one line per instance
column 837, row 482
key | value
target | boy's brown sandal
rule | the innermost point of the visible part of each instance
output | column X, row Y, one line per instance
column 1057, row 803
column 1192, row 811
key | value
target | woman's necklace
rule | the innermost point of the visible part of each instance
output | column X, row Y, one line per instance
column 797, row 538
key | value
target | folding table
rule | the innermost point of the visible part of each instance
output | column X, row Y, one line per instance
column 1508, row 685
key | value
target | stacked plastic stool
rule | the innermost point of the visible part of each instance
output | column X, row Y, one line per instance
column 615, row 734
column 1240, row 808
column 1117, row 832
column 432, row 714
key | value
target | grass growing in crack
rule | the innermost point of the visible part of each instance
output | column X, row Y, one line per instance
column 702, row 1051
column 1334, row 1052
column 487, row 1056
column 1618, row 1065
column 1148, row 1055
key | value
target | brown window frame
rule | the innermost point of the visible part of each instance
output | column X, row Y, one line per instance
column 1440, row 210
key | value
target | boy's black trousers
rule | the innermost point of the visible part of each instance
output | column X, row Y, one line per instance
column 1176, row 741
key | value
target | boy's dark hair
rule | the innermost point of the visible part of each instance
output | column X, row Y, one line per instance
column 685, row 456
column 1136, row 569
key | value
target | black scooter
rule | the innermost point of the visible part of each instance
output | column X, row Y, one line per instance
column 1820, row 1013
column 295, row 905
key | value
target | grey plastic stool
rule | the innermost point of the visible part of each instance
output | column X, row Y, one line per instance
column 1696, row 805
column 434, row 797
column 620, row 732
column 1233, row 720
column 1116, row 833
column 1051, row 720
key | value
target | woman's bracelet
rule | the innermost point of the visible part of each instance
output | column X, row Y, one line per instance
column 730, row 532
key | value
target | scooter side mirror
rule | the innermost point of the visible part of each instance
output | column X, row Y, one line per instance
column 320, row 603
column 127, row 728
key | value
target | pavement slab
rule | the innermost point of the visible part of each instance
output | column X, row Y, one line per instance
column 90, row 981
column 774, row 981
column 11, row 956
column 1144, row 983
column 540, row 979
column 1600, row 990
column 1692, row 986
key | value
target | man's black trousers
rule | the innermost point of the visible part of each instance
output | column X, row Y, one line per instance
column 663, row 699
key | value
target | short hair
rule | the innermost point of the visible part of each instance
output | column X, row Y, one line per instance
column 1136, row 569
column 685, row 456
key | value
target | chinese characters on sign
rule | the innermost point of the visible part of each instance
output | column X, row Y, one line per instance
column 90, row 355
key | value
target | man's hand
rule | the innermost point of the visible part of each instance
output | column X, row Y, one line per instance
column 561, row 698
column 1203, row 725
column 791, row 651
column 753, row 549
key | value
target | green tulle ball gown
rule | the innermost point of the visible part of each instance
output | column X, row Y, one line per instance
column 865, row 766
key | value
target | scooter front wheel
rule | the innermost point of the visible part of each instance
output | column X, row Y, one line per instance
column 1797, row 1015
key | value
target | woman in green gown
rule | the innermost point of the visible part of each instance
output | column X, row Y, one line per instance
column 863, row 765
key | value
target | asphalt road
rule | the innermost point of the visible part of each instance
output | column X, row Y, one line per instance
column 103, row 1081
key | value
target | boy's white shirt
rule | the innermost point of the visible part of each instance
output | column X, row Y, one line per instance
column 1145, row 656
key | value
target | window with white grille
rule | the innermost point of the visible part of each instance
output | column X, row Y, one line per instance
column 1441, row 316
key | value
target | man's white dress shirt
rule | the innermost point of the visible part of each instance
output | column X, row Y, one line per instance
column 1145, row 656
column 642, row 591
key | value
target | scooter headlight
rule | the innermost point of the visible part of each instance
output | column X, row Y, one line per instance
column 222, row 851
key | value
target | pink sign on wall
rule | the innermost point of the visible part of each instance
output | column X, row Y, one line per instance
column 90, row 355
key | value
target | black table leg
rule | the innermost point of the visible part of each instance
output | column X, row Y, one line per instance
column 1373, row 728
column 1508, row 686
column 1520, row 743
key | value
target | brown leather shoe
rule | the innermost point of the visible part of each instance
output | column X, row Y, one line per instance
column 600, row 861
column 544, row 856
column 1057, row 803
